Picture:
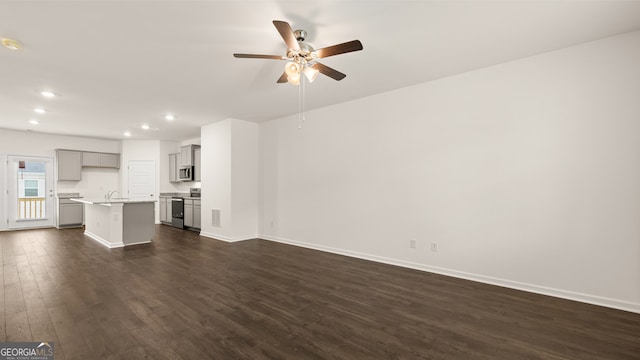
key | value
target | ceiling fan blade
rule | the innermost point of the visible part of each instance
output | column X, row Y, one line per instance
column 330, row 72
column 349, row 46
column 286, row 32
column 283, row 78
column 256, row 56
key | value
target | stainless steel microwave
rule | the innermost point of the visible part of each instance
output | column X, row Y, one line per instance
column 185, row 173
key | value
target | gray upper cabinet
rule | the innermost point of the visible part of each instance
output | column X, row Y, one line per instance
column 105, row 160
column 90, row 159
column 110, row 160
column 71, row 162
column 173, row 167
column 69, row 165
column 197, row 165
column 186, row 155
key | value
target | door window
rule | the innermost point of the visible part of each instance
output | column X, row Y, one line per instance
column 30, row 192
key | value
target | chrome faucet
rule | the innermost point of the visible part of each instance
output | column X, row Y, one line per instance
column 110, row 194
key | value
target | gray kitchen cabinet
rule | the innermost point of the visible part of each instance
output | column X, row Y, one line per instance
column 91, row 159
column 70, row 213
column 188, row 212
column 105, row 160
column 196, row 214
column 186, row 155
column 173, row 167
column 110, row 160
column 71, row 162
column 69, row 165
column 197, row 165
column 192, row 213
column 165, row 210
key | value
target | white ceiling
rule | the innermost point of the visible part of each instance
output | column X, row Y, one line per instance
column 118, row 64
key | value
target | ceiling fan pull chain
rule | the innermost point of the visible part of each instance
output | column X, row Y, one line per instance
column 300, row 105
column 303, row 99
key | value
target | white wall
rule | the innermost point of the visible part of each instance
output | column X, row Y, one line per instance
column 244, row 178
column 216, row 178
column 140, row 150
column 31, row 143
column 230, row 179
column 525, row 174
column 194, row 141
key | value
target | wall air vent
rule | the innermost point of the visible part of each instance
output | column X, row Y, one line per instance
column 215, row 217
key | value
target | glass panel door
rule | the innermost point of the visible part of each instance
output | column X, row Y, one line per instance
column 30, row 198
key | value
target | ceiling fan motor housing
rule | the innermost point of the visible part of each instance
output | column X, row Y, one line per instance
column 300, row 34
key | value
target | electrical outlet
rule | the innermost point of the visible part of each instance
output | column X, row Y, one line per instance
column 412, row 243
column 434, row 246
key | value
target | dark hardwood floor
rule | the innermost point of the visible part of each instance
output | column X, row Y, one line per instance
column 186, row 297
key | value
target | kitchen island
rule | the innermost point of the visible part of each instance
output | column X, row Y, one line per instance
column 119, row 222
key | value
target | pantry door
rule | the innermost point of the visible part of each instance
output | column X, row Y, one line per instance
column 30, row 192
column 142, row 179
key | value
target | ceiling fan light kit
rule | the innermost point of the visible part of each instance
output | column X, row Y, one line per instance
column 302, row 57
column 292, row 69
column 311, row 73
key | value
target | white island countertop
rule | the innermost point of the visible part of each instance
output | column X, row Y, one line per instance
column 105, row 202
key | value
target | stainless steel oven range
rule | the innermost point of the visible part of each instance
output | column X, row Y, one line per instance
column 177, row 212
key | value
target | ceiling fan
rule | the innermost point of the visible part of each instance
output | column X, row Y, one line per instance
column 302, row 57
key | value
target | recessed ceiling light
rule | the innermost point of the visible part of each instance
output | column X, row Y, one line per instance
column 170, row 117
column 145, row 127
column 34, row 122
column 127, row 134
column 47, row 94
column 40, row 110
column 11, row 44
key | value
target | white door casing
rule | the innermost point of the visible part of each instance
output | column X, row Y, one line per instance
column 30, row 192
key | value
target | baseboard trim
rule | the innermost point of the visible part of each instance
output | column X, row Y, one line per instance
column 227, row 238
column 537, row 289
column 138, row 243
column 103, row 241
